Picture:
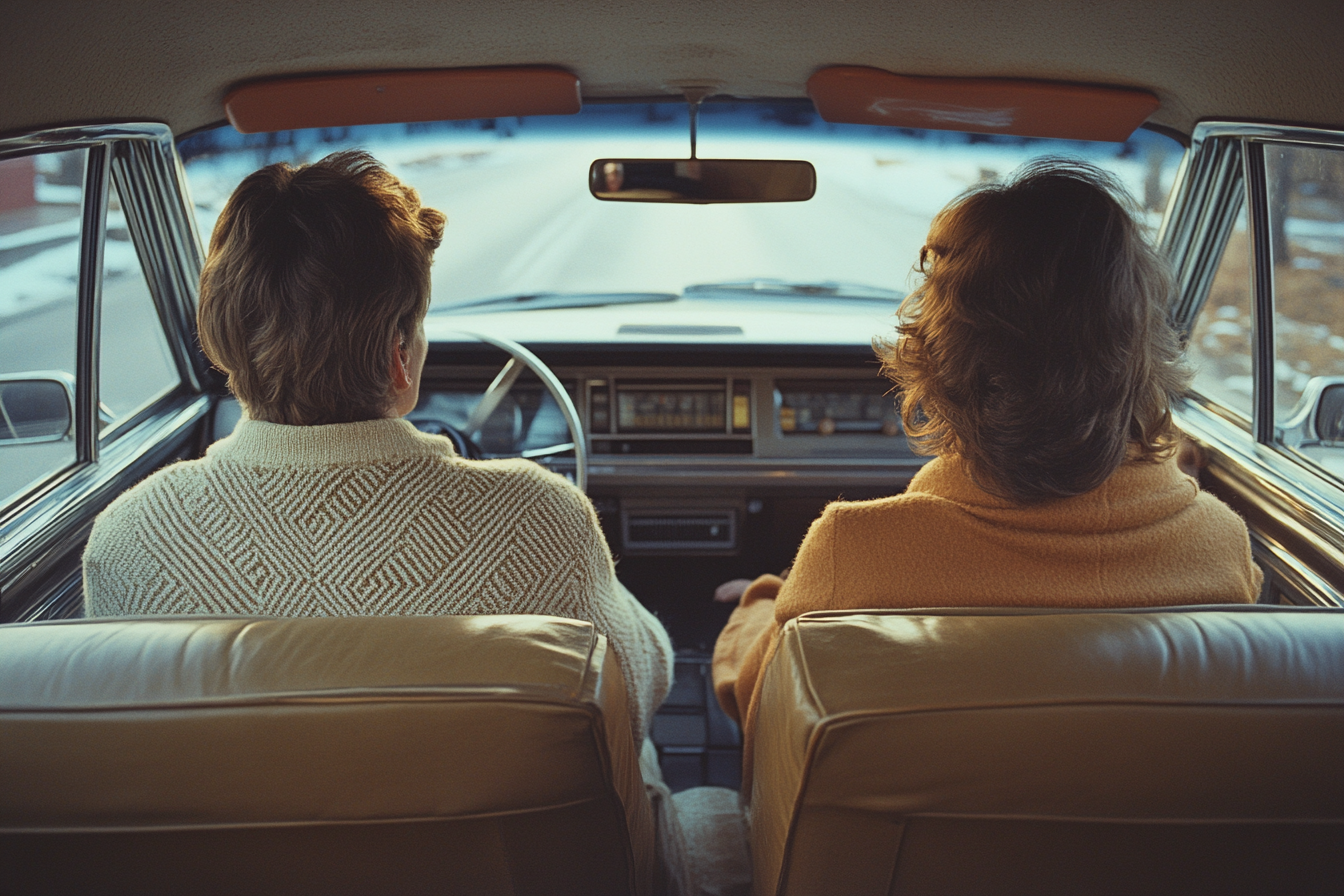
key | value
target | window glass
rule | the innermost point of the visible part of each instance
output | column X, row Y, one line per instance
column 40, row 208
column 522, row 220
column 1220, row 345
column 135, row 364
column 1306, row 232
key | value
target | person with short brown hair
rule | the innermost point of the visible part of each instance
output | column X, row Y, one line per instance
column 324, row 501
column 1037, row 363
column 312, row 274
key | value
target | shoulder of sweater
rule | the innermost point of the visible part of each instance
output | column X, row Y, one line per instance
column 853, row 511
column 537, row 481
column 516, row 468
column 164, row 479
column 128, row 505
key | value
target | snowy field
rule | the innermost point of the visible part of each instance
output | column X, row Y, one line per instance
column 52, row 275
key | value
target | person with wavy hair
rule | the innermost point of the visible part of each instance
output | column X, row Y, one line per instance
column 1038, row 349
column 1037, row 364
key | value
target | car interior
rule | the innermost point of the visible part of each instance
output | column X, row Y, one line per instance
column 677, row 231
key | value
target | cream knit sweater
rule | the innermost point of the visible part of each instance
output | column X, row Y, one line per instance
column 366, row 519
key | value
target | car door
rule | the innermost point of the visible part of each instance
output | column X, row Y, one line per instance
column 1256, row 233
column 100, row 378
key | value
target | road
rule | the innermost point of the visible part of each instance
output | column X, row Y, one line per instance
column 529, row 225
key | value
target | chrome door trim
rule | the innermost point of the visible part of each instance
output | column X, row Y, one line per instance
column 1205, row 201
column 1275, row 133
column 81, row 135
column 1306, row 503
column 1296, row 574
column 153, row 191
column 92, row 234
column 1226, row 164
column 1262, row 292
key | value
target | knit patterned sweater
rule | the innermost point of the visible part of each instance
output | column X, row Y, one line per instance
column 366, row 519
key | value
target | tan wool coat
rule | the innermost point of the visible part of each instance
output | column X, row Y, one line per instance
column 1146, row 537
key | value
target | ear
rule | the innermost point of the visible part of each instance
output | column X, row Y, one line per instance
column 400, row 367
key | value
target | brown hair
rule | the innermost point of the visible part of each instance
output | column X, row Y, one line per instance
column 1038, row 347
column 313, row 277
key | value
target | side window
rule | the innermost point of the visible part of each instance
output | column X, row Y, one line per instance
column 1305, row 193
column 41, row 201
column 1306, row 232
column 135, row 365
column 1220, row 344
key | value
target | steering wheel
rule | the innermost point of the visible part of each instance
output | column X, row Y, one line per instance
column 521, row 359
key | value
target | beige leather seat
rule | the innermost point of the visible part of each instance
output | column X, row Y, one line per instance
column 487, row 754
column 1178, row 751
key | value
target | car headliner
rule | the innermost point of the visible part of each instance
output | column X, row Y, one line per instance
column 69, row 62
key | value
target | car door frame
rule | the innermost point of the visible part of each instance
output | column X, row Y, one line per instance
column 42, row 533
column 1294, row 510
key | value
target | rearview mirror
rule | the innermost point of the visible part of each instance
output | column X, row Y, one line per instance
column 34, row 408
column 702, row 181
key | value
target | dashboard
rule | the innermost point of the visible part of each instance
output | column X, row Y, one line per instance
column 708, row 456
column 696, row 459
column 775, row 426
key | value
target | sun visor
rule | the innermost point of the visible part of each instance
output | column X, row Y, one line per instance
column 860, row 95
column 342, row 100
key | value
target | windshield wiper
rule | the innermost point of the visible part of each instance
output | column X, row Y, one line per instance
column 540, row 300
column 772, row 287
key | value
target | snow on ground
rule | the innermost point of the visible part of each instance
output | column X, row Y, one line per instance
column 52, row 275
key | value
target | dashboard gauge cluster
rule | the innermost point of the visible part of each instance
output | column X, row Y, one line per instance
column 836, row 407
column 684, row 409
column 709, row 416
column 654, row 426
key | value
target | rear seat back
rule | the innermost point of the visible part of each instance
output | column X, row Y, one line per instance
column 1182, row 750
column 461, row 754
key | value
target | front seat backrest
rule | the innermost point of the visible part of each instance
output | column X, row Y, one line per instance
column 1188, row 750
column 454, row 754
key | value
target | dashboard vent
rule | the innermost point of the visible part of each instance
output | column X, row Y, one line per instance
column 679, row 530
column 677, row 330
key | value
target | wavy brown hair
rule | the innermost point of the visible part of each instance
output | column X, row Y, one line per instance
column 314, row 276
column 1038, row 347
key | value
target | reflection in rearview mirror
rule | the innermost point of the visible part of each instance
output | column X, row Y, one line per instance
column 35, row 410
column 702, row 181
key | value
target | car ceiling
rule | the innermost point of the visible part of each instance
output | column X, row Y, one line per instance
column 67, row 62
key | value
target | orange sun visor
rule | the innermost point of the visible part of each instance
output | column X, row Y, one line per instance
column 860, row 95
column 330, row 101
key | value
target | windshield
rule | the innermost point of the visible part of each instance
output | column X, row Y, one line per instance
column 522, row 222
